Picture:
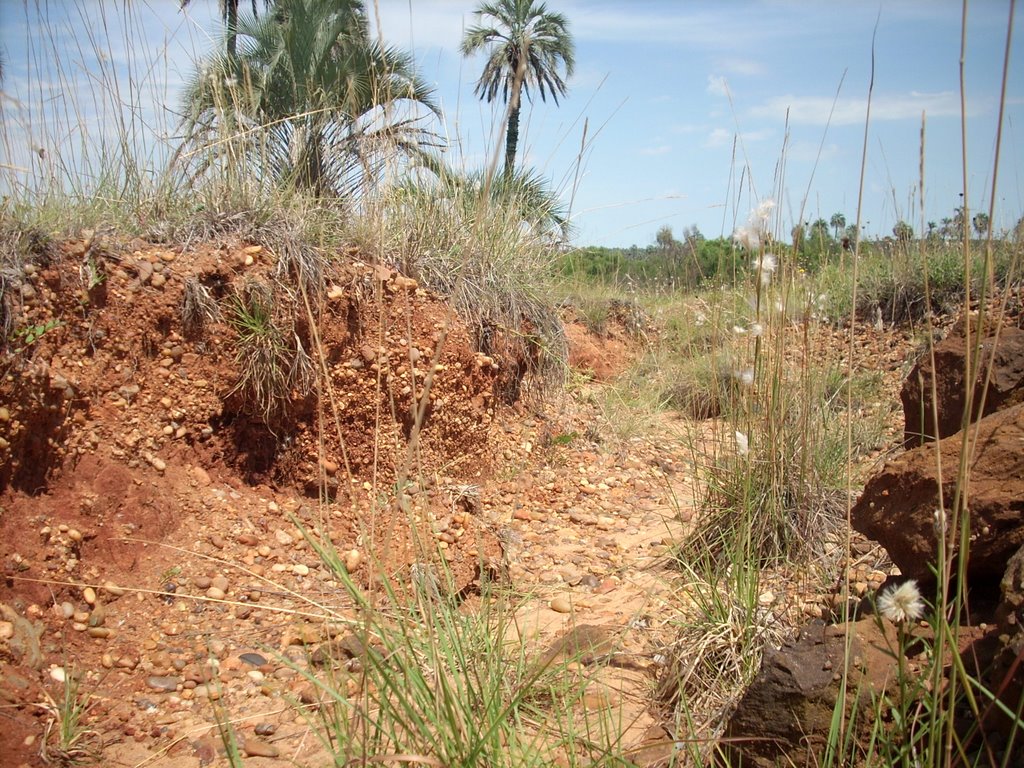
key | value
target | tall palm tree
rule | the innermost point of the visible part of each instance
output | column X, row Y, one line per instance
column 229, row 12
column 312, row 97
column 527, row 46
column 838, row 221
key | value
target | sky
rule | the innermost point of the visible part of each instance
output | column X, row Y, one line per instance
column 680, row 113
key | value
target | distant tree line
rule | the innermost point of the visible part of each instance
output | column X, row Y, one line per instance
column 694, row 260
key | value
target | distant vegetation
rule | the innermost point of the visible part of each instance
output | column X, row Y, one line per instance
column 821, row 251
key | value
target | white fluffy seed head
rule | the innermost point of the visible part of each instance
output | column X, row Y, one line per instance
column 901, row 604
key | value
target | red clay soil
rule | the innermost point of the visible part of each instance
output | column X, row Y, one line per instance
column 124, row 434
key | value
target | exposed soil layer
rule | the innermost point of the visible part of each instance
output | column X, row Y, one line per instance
column 160, row 403
column 161, row 513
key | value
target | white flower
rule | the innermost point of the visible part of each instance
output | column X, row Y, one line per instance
column 742, row 444
column 756, row 329
column 748, row 237
column 902, row 603
column 765, row 265
column 764, row 209
column 744, row 377
column 739, row 330
column 940, row 522
column 751, row 234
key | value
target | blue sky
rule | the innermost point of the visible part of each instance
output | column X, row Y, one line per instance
column 693, row 110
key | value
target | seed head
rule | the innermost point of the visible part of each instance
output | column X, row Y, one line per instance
column 742, row 444
column 901, row 604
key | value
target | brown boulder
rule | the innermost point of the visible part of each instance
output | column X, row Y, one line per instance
column 1006, row 383
column 898, row 505
column 785, row 715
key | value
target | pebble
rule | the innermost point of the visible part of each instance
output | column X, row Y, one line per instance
column 253, row 658
column 283, row 537
column 163, row 683
column 58, row 674
column 6, row 630
column 213, row 693
column 560, row 604
column 221, row 583
column 352, row 560
column 89, row 595
column 112, row 589
column 257, row 748
column 215, row 594
column 264, row 729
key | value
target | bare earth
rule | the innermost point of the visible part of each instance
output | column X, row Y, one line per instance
column 151, row 528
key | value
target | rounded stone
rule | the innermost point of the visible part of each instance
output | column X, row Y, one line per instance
column 560, row 604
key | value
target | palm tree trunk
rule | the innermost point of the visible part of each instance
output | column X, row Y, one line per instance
column 231, row 22
column 511, row 139
column 512, row 130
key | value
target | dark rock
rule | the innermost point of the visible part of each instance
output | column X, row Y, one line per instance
column 253, row 658
column 1006, row 383
column 898, row 505
column 785, row 715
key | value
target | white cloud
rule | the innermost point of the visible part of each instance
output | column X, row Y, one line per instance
column 816, row 110
column 810, row 151
column 717, row 85
column 721, row 137
column 434, row 24
column 740, row 66
column 660, row 149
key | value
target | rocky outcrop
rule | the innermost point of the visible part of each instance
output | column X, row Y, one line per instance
column 1005, row 383
column 898, row 506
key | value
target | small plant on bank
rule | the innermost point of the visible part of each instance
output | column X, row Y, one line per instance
column 67, row 740
column 270, row 365
column 198, row 307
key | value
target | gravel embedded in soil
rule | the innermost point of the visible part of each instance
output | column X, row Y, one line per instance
column 149, row 540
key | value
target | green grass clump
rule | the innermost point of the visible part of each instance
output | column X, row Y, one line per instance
column 449, row 682
column 271, row 366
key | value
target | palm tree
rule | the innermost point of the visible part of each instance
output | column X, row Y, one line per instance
column 229, row 12
column 903, row 232
column 526, row 194
column 981, row 224
column 309, row 96
column 527, row 45
column 838, row 221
